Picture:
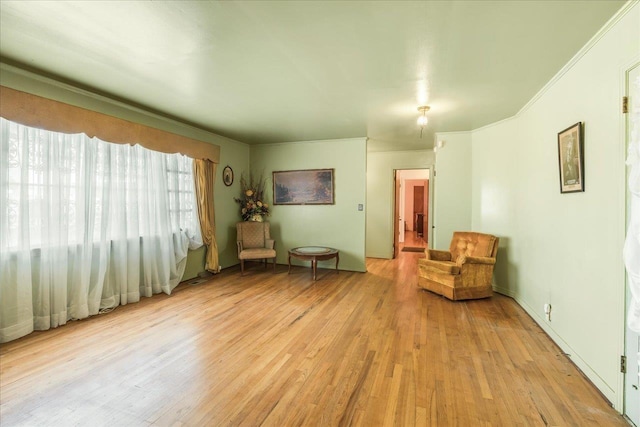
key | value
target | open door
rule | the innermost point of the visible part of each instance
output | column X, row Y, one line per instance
column 396, row 215
column 418, row 209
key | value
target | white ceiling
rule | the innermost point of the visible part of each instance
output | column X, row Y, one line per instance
column 271, row 71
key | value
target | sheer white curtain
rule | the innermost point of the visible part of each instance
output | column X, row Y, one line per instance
column 632, row 242
column 87, row 225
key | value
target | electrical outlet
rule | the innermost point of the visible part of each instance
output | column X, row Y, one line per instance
column 547, row 312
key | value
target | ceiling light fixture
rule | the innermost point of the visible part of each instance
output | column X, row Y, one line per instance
column 423, row 120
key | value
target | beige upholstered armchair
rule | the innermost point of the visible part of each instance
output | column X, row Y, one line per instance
column 254, row 242
column 463, row 272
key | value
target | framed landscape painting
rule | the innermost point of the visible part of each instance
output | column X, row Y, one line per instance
column 571, row 159
column 303, row 187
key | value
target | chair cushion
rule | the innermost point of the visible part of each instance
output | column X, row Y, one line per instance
column 440, row 266
column 257, row 253
column 253, row 235
column 465, row 243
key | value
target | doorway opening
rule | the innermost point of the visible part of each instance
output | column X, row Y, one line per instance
column 412, row 212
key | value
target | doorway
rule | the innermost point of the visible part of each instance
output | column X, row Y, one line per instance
column 412, row 208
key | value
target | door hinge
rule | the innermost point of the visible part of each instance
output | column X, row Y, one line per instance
column 625, row 104
column 434, row 172
column 623, row 364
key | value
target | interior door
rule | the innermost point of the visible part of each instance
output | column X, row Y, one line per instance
column 396, row 214
column 632, row 339
column 430, row 210
column 426, row 213
column 418, row 208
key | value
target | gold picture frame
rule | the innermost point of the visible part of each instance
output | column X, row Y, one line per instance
column 303, row 187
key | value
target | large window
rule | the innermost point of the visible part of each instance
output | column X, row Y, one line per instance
column 87, row 225
column 182, row 199
column 47, row 173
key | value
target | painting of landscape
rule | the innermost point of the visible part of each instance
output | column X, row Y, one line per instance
column 303, row 187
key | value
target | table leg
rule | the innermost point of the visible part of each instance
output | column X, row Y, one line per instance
column 314, row 266
column 337, row 261
column 289, row 271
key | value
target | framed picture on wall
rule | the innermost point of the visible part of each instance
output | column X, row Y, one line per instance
column 303, row 187
column 571, row 159
column 227, row 176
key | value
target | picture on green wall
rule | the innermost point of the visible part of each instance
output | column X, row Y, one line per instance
column 571, row 159
column 303, row 187
column 227, row 175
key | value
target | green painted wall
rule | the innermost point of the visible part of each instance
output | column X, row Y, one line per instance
column 380, row 195
column 565, row 249
column 452, row 198
column 340, row 225
column 235, row 155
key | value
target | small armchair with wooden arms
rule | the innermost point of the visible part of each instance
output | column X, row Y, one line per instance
column 255, row 243
column 463, row 272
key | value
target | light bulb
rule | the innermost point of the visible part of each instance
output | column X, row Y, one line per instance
column 422, row 121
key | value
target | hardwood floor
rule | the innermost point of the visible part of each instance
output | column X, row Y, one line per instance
column 412, row 239
column 278, row 350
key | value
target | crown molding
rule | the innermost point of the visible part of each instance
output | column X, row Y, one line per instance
column 66, row 87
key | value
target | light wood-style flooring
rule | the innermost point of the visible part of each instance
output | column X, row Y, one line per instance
column 363, row 349
column 412, row 239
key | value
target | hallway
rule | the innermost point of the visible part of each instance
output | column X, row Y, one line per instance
column 412, row 240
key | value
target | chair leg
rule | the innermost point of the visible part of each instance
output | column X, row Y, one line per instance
column 242, row 267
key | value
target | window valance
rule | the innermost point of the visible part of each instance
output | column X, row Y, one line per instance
column 35, row 111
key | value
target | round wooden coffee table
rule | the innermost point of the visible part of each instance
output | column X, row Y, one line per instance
column 314, row 254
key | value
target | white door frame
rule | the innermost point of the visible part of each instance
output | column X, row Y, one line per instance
column 430, row 169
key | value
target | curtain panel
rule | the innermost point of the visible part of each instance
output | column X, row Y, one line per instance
column 632, row 242
column 205, row 173
column 36, row 111
column 87, row 225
